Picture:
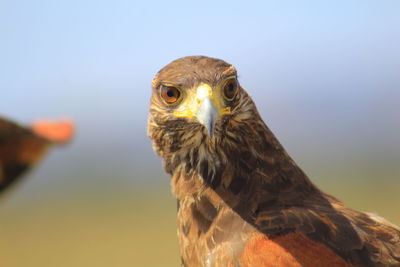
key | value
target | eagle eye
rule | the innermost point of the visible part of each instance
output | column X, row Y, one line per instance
column 230, row 88
column 170, row 94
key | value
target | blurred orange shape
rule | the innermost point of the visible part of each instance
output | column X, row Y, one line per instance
column 58, row 131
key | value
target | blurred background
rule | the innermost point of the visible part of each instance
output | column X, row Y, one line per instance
column 325, row 77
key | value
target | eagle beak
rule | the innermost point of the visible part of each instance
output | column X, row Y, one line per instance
column 205, row 105
column 207, row 115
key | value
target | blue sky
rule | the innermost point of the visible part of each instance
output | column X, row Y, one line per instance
column 50, row 47
column 324, row 74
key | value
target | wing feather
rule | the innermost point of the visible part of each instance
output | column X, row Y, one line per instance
column 21, row 147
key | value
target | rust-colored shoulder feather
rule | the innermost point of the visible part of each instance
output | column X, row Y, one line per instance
column 289, row 250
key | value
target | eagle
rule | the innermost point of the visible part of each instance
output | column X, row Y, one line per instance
column 23, row 146
column 241, row 199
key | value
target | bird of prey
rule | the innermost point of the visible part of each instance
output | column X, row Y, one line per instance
column 242, row 201
column 21, row 147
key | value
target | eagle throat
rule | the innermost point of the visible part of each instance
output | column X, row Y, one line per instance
column 245, row 158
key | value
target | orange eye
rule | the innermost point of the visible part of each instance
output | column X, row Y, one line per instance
column 170, row 94
column 230, row 89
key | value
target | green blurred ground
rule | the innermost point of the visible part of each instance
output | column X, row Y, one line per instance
column 128, row 228
column 131, row 225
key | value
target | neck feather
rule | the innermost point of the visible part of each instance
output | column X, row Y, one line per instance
column 248, row 163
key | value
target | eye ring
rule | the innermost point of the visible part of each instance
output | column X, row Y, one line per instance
column 171, row 95
column 230, row 88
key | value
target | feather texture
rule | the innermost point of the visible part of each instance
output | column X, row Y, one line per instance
column 242, row 201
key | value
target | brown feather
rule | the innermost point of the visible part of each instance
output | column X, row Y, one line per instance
column 242, row 200
column 21, row 147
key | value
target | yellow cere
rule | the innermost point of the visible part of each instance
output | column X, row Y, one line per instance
column 192, row 102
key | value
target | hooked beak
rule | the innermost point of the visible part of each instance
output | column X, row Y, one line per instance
column 207, row 115
column 205, row 105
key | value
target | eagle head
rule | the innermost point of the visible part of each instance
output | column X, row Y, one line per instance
column 199, row 113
